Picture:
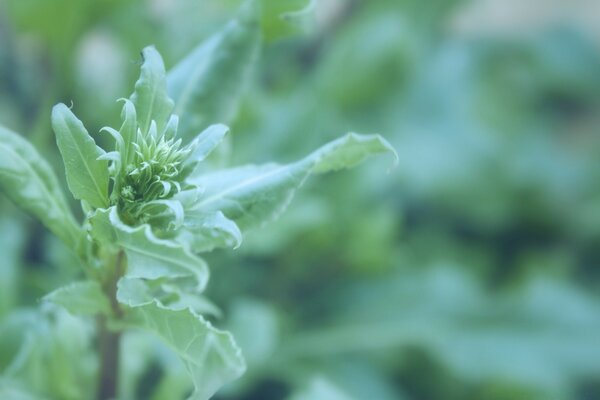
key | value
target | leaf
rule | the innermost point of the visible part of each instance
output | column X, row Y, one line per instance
column 206, row 142
column 150, row 96
column 29, row 181
column 148, row 257
column 86, row 175
column 321, row 388
column 128, row 131
column 205, row 232
column 81, row 298
column 252, row 195
column 207, row 84
column 53, row 353
column 13, row 391
column 305, row 19
column 135, row 292
column 210, row 356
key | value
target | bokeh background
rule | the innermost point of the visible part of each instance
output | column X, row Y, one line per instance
column 470, row 271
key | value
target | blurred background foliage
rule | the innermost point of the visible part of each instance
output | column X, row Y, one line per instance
column 468, row 272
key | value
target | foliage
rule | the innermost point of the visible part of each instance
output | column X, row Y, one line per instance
column 468, row 272
column 149, row 211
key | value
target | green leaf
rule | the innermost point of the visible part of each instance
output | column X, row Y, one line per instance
column 13, row 391
column 148, row 257
column 29, row 181
column 206, row 142
column 205, row 232
column 304, row 19
column 207, row 84
column 211, row 356
column 53, row 354
column 150, row 96
column 172, row 293
column 321, row 388
column 86, row 175
column 81, row 298
column 252, row 195
column 128, row 131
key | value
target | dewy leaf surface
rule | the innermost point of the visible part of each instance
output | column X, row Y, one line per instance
column 86, row 175
column 29, row 181
column 148, row 257
column 211, row 356
column 150, row 96
column 251, row 195
column 207, row 84
column 81, row 298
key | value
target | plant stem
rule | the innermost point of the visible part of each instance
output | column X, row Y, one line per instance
column 109, row 347
column 109, row 341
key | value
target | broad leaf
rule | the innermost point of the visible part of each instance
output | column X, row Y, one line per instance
column 205, row 232
column 81, row 298
column 206, row 142
column 207, row 84
column 150, row 96
column 29, row 181
column 148, row 257
column 171, row 293
column 251, row 195
column 211, row 356
column 86, row 175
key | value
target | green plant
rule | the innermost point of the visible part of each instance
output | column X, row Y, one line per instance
column 150, row 208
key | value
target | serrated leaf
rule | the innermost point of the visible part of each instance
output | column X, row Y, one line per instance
column 207, row 84
column 86, row 175
column 29, row 181
column 251, row 195
column 148, row 257
column 135, row 292
column 150, row 96
column 81, row 298
column 211, row 356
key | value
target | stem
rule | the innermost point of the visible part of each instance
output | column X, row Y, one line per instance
column 109, row 341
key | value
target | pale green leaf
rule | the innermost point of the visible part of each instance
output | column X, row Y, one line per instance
column 29, row 181
column 252, row 195
column 81, row 298
column 128, row 131
column 150, row 96
column 86, row 175
column 53, row 353
column 205, row 232
column 210, row 356
column 207, row 84
column 135, row 292
column 320, row 388
column 206, row 142
column 305, row 19
column 148, row 257
column 13, row 391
